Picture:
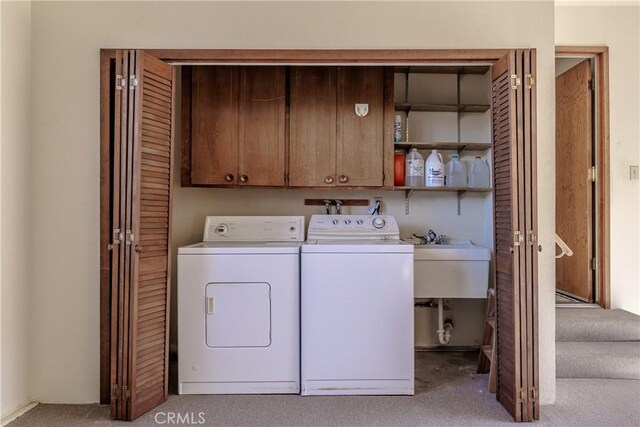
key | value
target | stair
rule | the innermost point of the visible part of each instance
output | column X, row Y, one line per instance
column 597, row 343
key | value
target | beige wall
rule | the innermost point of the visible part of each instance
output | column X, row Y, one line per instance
column 617, row 27
column 15, row 203
column 66, row 40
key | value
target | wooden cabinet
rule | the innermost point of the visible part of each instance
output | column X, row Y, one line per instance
column 330, row 143
column 233, row 126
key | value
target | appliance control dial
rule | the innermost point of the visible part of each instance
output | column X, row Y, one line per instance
column 221, row 229
column 378, row 223
column 335, row 222
column 347, row 221
column 359, row 222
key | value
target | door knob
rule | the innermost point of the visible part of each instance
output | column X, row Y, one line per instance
column 328, row 180
column 343, row 178
column 228, row 177
column 244, row 178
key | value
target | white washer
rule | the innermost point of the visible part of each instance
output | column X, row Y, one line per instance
column 239, row 307
column 357, row 307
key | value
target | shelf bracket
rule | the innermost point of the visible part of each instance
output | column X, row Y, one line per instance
column 460, row 194
column 407, row 195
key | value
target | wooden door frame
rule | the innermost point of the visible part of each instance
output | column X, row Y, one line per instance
column 249, row 56
column 601, row 201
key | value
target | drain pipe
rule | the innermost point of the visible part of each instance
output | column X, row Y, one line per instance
column 444, row 327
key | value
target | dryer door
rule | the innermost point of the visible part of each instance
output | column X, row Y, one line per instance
column 238, row 315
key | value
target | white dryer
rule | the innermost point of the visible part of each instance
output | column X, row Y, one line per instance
column 239, row 309
column 356, row 307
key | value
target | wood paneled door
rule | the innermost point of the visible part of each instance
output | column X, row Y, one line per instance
column 138, row 191
column 515, row 227
column 574, row 182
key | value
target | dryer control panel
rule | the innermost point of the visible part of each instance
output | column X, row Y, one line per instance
column 254, row 229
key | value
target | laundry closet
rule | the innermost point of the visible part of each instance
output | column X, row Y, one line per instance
column 292, row 139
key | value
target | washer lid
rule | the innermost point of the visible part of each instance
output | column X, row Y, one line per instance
column 357, row 247
column 250, row 248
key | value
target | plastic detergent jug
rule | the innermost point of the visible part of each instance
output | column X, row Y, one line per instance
column 414, row 169
column 479, row 174
column 434, row 173
column 455, row 173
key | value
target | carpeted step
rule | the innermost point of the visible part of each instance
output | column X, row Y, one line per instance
column 596, row 324
column 598, row 360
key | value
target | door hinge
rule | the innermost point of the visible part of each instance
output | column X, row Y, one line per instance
column 133, row 80
column 528, row 81
column 592, row 263
column 592, row 174
column 521, row 396
column 592, row 85
column 115, row 392
column 517, row 238
column 130, row 237
column 531, row 238
column 126, row 393
column 120, row 82
column 533, row 394
column 120, row 392
column 286, row 177
column 515, row 81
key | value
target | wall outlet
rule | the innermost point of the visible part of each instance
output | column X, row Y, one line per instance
column 633, row 173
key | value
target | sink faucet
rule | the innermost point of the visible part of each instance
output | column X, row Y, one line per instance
column 327, row 206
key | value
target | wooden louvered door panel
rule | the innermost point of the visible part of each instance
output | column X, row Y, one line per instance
column 118, row 200
column 532, row 408
column 140, row 201
column 507, row 138
column 150, row 231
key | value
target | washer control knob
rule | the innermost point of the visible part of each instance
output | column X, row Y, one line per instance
column 359, row 222
column 347, row 221
column 221, row 229
column 335, row 222
column 378, row 223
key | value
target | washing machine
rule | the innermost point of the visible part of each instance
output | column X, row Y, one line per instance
column 356, row 307
column 239, row 307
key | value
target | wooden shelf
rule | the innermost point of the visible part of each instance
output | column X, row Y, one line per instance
column 434, row 145
column 443, row 69
column 444, row 189
column 444, row 108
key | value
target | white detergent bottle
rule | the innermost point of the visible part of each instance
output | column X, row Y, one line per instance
column 479, row 174
column 455, row 173
column 434, row 173
column 414, row 169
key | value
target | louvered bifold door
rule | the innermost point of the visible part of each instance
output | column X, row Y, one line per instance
column 148, row 238
column 507, row 135
column 122, row 159
column 531, row 410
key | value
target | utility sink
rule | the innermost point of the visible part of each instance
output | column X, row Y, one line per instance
column 456, row 270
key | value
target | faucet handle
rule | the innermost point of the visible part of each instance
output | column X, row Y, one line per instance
column 338, row 206
column 327, row 205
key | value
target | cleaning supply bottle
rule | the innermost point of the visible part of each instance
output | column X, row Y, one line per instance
column 414, row 169
column 397, row 129
column 479, row 174
column 455, row 173
column 434, row 173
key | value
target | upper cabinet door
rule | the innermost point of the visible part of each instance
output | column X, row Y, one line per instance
column 360, row 134
column 261, row 148
column 312, row 149
column 214, row 125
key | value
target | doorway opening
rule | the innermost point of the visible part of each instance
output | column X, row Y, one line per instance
column 582, row 176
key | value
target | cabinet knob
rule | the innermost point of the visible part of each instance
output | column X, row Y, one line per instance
column 228, row 177
column 244, row 178
column 328, row 179
column 343, row 178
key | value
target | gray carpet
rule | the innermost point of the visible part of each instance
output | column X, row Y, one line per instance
column 596, row 324
column 619, row 360
column 448, row 393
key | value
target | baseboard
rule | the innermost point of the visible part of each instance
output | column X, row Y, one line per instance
column 17, row 413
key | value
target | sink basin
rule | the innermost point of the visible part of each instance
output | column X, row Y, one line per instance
column 456, row 270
